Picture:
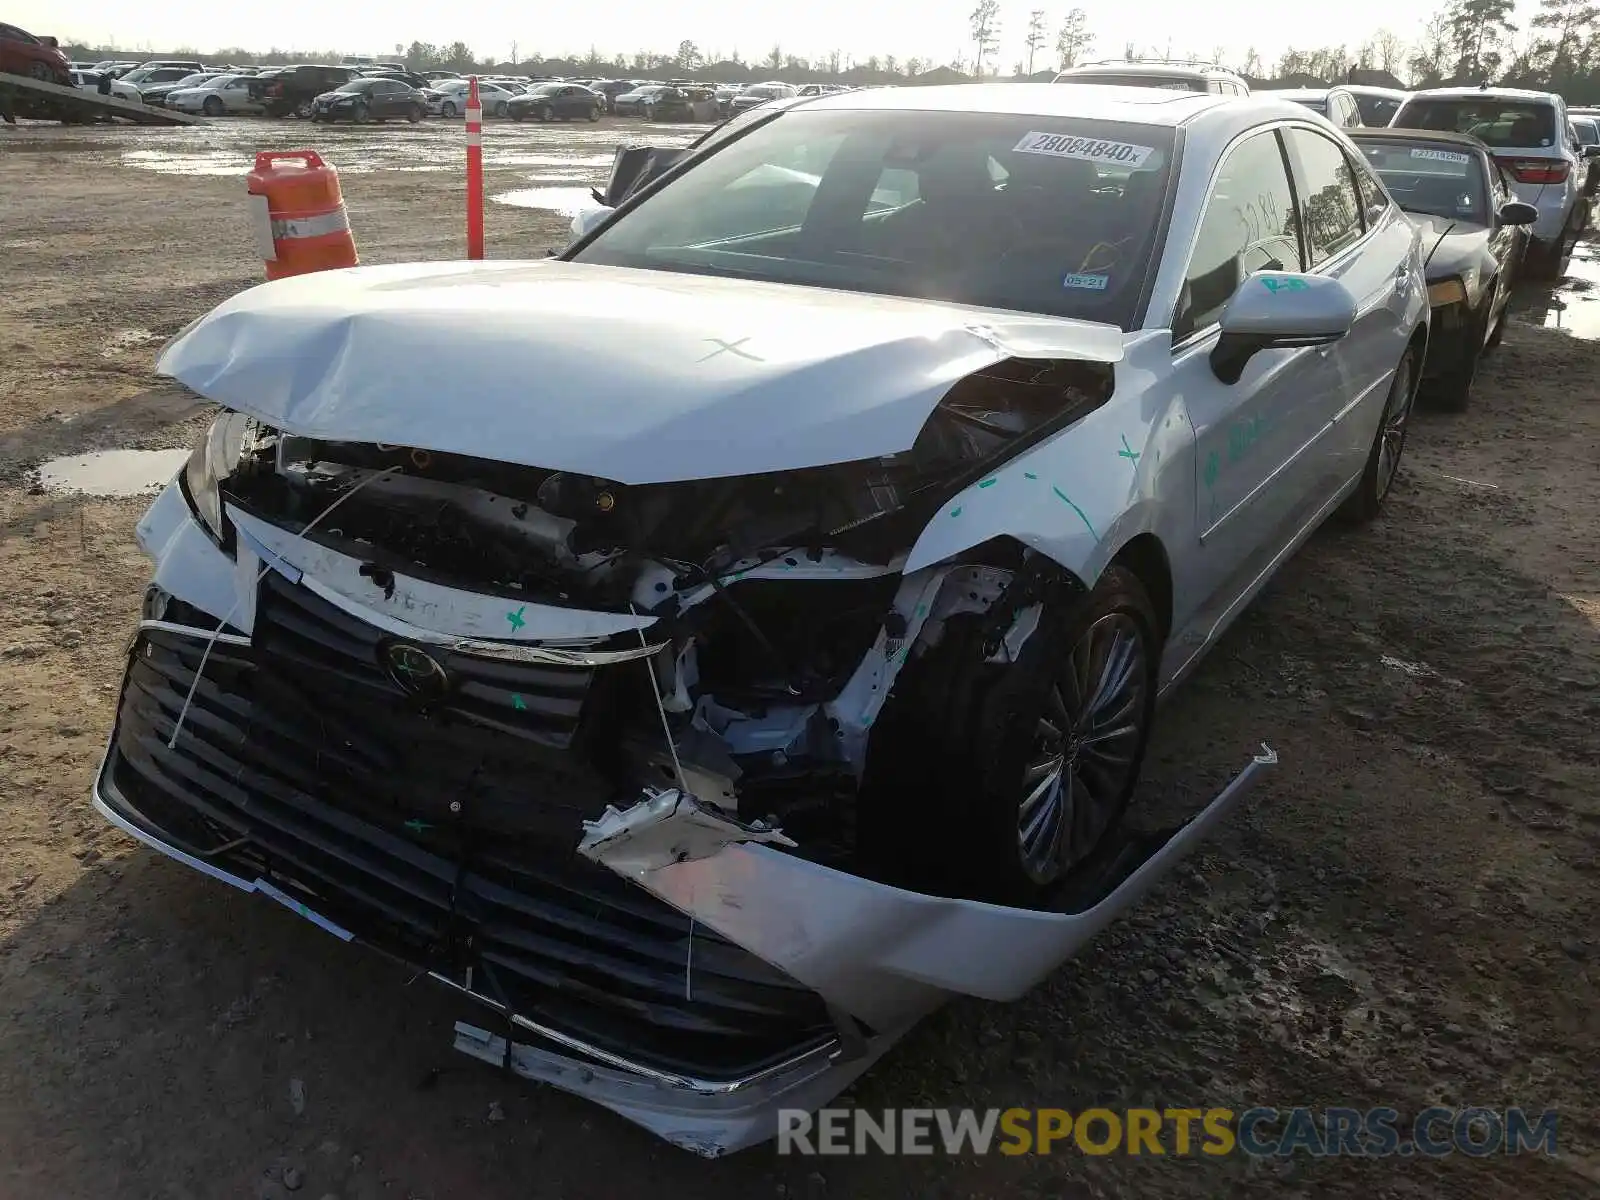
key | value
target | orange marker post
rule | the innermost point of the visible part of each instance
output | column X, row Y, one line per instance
column 474, row 170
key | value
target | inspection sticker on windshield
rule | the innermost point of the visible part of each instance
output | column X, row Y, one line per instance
column 1094, row 283
column 1441, row 155
column 1060, row 145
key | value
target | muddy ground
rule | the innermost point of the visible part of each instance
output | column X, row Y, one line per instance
column 1403, row 914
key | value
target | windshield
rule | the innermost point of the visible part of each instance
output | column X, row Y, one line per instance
column 544, row 89
column 1317, row 104
column 1588, row 132
column 1171, row 83
column 355, row 85
column 1441, row 179
column 1039, row 214
column 1498, row 123
column 759, row 90
column 1376, row 110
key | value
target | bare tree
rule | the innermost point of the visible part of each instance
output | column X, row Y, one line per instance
column 985, row 21
column 1430, row 60
column 774, row 58
column 1388, row 51
column 1074, row 40
column 1035, row 39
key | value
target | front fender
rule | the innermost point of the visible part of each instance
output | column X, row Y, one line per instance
column 1080, row 496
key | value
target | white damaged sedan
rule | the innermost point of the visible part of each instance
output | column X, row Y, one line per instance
column 717, row 646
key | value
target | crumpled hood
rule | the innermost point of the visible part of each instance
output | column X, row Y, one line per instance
column 630, row 375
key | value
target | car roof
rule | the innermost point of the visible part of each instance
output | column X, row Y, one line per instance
column 1474, row 93
column 1372, row 89
column 1167, row 70
column 1139, row 105
column 1393, row 133
column 1304, row 93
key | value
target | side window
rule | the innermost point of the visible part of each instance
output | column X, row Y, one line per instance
column 1249, row 225
column 1374, row 201
column 1327, row 190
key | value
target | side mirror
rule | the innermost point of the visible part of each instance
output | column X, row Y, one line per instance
column 1275, row 310
column 588, row 221
column 1592, row 151
column 1517, row 212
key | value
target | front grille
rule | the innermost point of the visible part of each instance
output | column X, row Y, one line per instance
column 341, row 793
column 527, row 701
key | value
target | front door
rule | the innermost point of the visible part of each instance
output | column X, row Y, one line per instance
column 1252, row 438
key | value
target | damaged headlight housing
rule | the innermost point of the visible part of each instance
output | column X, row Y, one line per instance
column 215, row 458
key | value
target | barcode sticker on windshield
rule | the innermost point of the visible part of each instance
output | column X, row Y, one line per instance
column 1060, row 145
column 1441, row 155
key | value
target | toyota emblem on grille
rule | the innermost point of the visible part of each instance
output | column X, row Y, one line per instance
column 415, row 671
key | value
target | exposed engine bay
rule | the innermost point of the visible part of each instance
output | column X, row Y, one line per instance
column 778, row 601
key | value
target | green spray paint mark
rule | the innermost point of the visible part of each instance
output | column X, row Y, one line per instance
column 516, row 618
column 1127, row 451
column 417, row 826
column 922, row 610
column 1243, row 436
column 956, row 511
column 518, row 703
column 987, row 483
column 1213, row 465
column 1029, row 475
column 1286, row 285
column 1067, row 500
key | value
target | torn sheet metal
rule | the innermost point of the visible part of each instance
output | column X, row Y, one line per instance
column 885, row 955
column 665, row 827
column 784, row 377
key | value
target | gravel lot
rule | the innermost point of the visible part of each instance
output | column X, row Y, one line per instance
column 1404, row 914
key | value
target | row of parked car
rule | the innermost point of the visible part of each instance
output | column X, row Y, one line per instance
column 1541, row 152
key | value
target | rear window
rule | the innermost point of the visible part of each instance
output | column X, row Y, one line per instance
column 1438, row 178
column 1171, row 83
column 965, row 207
column 1519, row 124
column 1377, row 110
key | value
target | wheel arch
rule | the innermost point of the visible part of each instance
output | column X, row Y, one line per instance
column 1146, row 556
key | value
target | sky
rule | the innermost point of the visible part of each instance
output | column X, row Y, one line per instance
column 929, row 29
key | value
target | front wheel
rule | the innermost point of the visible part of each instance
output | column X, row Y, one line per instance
column 594, row 112
column 212, row 106
column 303, row 109
column 359, row 114
column 1453, row 390
column 544, row 112
column 1003, row 769
column 414, row 113
column 1383, row 460
column 448, row 109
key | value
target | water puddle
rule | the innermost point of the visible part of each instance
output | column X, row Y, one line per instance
column 1574, row 305
column 568, row 201
column 204, row 162
column 112, row 472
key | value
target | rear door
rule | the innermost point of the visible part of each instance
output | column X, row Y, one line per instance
column 1369, row 251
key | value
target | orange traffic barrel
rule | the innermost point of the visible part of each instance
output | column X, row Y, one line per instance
column 298, row 214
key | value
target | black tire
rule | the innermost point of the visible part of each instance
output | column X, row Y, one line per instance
column 448, row 108
column 1452, row 391
column 545, row 113
column 594, row 112
column 517, row 115
column 212, row 107
column 1388, row 444
column 42, row 72
column 360, row 114
column 302, row 109
column 414, row 113
column 500, row 109
column 955, row 761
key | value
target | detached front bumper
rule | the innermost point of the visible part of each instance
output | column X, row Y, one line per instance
column 696, row 992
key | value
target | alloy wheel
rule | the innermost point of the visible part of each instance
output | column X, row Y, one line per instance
column 1086, row 748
